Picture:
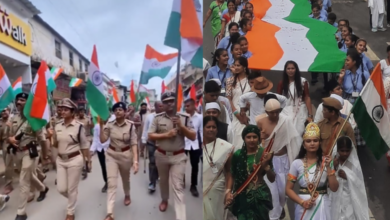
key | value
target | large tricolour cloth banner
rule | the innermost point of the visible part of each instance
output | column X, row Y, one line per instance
column 184, row 32
column 370, row 113
column 283, row 30
column 95, row 88
column 36, row 109
column 156, row 64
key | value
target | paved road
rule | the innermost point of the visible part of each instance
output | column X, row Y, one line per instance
column 376, row 173
column 92, row 203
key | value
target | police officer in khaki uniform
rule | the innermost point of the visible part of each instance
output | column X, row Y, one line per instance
column 72, row 145
column 121, row 155
column 333, row 120
column 5, row 124
column 168, row 130
column 87, row 122
column 22, row 157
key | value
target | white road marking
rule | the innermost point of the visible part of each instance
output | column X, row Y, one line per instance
column 371, row 54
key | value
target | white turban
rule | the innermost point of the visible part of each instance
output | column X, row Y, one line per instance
column 212, row 105
column 341, row 100
column 272, row 105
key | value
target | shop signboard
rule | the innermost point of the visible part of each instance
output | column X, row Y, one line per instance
column 14, row 32
column 63, row 90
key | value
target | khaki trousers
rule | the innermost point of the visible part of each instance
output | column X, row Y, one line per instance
column 172, row 169
column 68, row 178
column 27, row 179
column 38, row 173
column 117, row 162
column 4, row 149
column 9, row 168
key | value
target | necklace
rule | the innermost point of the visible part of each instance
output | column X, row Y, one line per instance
column 254, row 180
column 310, row 184
column 210, row 156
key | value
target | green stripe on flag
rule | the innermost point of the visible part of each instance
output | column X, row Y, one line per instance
column 368, row 130
column 35, row 123
column 7, row 98
column 197, row 60
column 97, row 100
column 322, row 36
column 172, row 36
column 162, row 73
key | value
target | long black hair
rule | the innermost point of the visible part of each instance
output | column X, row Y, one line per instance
column 243, row 62
column 297, row 80
column 302, row 154
column 344, row 142
column 233, row 39
column 355, row 56
column 216, row 55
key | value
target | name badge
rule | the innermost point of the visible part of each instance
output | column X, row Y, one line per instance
column 219, row 13
column 223, row 90
column 214, row 169
column 355, row 94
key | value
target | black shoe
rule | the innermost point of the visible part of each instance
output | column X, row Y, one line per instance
column 152, row 187
column 194, row 191
column 104, row 189
column 84, row 175
column 21, row 217
column 55, row 182
column 42, row 195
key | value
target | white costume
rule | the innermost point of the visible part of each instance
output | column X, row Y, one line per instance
column 285, row 136
column 377, row 12
column 350, row 200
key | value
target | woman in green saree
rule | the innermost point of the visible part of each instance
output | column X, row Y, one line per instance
column 255, row 201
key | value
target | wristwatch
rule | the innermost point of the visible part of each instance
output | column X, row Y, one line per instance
column 310, row 116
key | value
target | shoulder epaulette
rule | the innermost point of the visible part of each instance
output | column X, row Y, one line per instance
column 60, row 121
column 160, row 114
column 79, row 122
column 129, row 121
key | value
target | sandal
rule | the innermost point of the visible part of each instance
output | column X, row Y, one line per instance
column 109, row 217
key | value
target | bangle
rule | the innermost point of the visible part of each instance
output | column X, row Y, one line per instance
column 332, row 173
column 303, row 201
column 235, row 112
column 228, row 191
column 136, row 162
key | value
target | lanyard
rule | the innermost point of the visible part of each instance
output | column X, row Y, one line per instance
column 243, row 89
column 354, row 81
column 210, row 156
column 223, row 77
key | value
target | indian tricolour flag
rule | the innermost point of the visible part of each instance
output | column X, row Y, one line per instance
column 6, row 91
column 95, row 88
column 17, row 86
column 370, row 113
column 56, row 71
column 74, row 82
column 184, row 32
column 156, row 64
column 37, row 109
column 287, row 32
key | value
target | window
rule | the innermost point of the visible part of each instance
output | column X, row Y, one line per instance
column 80, row 65
column 57, row 46
column 86, row 67
column 71, row 58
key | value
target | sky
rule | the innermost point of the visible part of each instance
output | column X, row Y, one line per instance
column 120, row 31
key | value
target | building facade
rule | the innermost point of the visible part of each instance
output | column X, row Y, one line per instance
column 189, row 75
column 50, row 46
column 16, row 38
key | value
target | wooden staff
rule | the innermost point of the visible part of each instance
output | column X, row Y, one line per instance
column 312, row 193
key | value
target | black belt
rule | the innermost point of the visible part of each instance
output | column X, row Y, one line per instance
column 150, row 143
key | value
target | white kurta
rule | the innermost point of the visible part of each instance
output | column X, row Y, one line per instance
column 213, row 201
column 377, row 12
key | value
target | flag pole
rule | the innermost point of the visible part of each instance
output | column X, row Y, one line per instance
column 177, row 81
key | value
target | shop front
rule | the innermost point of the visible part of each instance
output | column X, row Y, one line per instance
column 15, row 39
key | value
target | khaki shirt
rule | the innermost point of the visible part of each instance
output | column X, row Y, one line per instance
column 86, row 121
column 66, row 137
column 327, row 130
column 162, row 124
column 3, row 130
column 119, row 134
column 29, row 134
column 54, row 120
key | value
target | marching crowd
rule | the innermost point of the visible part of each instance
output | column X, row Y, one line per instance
column 259, row 144
column 71, row 138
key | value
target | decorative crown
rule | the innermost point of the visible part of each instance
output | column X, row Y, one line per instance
column 312, row 131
